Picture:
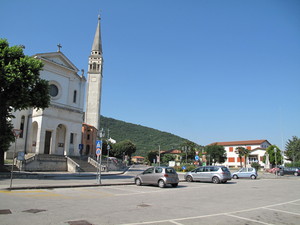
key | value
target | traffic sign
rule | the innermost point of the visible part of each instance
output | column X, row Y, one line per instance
column 98, row 152
column 17, row 132
column 197, row 158
column 98, row 144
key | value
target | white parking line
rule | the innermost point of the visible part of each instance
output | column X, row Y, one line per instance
column 243, row 218
column 278, row 210
column 172, row 221
column 222, row 214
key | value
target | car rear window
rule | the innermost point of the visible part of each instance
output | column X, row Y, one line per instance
column 170, row 170
column 225, row 169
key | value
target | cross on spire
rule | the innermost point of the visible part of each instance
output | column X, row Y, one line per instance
column 59, row 47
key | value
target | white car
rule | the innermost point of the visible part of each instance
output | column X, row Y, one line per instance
column 245, row 173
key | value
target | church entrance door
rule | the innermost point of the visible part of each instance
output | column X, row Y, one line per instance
column 47, row 142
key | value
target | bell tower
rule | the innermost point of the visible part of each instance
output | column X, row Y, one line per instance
column 94, row 84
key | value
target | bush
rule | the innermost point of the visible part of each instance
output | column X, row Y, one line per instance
column 255, row 165
column 294, row 164
column 188, row 167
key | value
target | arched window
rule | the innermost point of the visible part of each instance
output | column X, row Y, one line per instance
column 74, row 96
column 22, row 126
column 94, row 66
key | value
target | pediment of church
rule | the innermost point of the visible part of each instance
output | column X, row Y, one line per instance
column 59, row 59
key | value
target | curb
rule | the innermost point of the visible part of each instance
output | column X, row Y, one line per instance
column 65, row 186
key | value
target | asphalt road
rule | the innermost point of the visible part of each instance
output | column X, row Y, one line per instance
column 261, row 201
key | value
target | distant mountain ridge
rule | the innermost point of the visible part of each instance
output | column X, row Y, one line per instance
column 146, row 139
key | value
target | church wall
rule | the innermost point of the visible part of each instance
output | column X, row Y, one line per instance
column 62, row 111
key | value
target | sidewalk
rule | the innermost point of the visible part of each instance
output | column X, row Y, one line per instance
column 46, row 180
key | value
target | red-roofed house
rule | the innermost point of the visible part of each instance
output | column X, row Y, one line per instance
column 137, row 159
column 257, row 151
column 174, row 152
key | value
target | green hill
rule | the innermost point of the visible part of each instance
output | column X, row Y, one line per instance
column 146, row 139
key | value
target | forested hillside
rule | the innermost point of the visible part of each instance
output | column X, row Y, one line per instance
column 145, row 138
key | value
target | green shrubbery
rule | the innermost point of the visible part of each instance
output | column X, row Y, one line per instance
column 294, row 164
column 188, row 167
column 255, row 165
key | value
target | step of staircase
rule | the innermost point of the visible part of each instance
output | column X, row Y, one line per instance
column 84, row 165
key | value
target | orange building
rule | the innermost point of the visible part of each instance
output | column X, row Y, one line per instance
column 89, row 137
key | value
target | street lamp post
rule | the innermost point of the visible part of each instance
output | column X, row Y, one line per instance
column 158, row 155
column 275, row 152
column 99, row 157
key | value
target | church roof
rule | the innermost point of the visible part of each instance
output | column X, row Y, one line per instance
column 97, row 44
column 57, row 58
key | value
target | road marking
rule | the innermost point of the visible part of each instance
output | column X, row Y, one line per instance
column 278, row 210
column 221, row 214
column 172, row 221
column 26, row 191
column 243, row 218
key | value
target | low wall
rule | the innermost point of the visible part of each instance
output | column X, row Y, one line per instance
column 44, row 163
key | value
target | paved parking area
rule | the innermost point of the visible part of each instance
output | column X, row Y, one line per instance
column 262, row 201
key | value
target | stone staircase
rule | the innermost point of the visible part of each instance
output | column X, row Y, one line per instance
column 83, row 163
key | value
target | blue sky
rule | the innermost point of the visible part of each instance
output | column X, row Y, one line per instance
column 206, row 70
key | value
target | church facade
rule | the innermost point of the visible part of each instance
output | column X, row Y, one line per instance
column 58, row 129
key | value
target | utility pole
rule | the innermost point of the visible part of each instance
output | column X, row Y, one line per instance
column 159, row 155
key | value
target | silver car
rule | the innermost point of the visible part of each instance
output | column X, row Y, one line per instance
column 245, row 173
column 158, row 175
column 215, row 174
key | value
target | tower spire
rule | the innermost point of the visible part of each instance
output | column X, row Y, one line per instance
column 94, row 87
column 97, row 44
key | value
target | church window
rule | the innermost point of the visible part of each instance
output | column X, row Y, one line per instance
column 88, row 137
column 22, row 126
column 74, row 96
column 53, row 90
column 97, row 67
column 72, row 138
column 94, row 66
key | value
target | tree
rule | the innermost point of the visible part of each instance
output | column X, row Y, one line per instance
column 242, row 152
column 215, row 154
column 274, row 159
column 168, row 157
column 189, row 149
column 20, row 88
column 293, row 149
column 152, row 155
column 120, row 149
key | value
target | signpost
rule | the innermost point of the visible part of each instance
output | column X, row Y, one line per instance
column 98, row 153
column 17, row 133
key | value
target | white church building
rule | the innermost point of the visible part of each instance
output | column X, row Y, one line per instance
column 57, row 130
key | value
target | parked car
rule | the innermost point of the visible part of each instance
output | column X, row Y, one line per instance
column 245, row 173
column 215, row 174
column 289, row 170
column 158, row 175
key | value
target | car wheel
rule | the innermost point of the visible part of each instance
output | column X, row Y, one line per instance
column 138, row 182
column 175, row 185
column 235, row 177
column 189, row 179
column 253, row 177
column 215, row 180
column 295, row 174
column 161, row 184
